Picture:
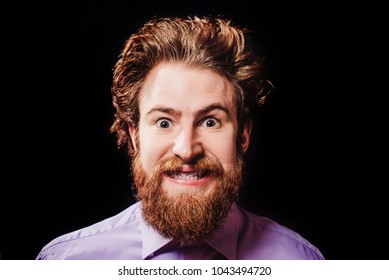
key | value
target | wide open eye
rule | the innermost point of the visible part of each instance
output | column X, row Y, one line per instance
column 163, row 123
column 210, row 122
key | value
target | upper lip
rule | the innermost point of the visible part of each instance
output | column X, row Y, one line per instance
column 188, row 169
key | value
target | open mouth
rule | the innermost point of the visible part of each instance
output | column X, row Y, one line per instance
column 192, row 175
column 199, row 174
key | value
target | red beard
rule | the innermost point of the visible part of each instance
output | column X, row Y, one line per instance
column 192, row 217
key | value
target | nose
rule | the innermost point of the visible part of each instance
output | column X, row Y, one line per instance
column 187, row 145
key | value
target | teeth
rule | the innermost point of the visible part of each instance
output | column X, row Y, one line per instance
column 187, row 176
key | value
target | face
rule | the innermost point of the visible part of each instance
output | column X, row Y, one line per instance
column 186, row 158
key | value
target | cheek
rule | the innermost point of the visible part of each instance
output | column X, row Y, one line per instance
column 152, row 149
column 223, row 148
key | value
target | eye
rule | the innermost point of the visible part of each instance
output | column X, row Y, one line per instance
column 163, row 123
column 210, row 122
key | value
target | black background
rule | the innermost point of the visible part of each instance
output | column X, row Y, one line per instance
column 317, row 162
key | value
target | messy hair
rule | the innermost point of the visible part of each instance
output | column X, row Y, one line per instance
column 206, row 43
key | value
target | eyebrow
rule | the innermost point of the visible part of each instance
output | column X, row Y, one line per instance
column 212, row 107
column 203, row 111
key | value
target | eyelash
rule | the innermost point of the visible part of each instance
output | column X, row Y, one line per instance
column 159, row 121
column 203, row 121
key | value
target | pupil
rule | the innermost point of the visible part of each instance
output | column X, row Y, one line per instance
column 164, row 124
column 210, row 123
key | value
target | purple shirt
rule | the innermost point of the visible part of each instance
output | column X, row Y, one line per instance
column 126, row 236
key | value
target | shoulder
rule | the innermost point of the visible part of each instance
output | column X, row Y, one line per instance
column 264, row 238
column 87, row 241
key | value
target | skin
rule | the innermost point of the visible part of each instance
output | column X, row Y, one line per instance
column 187, row 113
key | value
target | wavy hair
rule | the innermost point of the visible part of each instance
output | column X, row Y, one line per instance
column 206, row 43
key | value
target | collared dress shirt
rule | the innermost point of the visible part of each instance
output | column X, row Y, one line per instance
column 126, row 236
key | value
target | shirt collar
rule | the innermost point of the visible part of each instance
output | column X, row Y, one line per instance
column 151, row 239
column 224, row 241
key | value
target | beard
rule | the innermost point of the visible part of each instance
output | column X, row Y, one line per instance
column 188, row 217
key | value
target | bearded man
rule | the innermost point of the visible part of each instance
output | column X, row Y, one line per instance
column 184, row 90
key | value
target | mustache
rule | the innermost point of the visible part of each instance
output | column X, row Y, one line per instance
column 204, row 164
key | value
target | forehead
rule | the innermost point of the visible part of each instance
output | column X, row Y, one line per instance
column 178, row 85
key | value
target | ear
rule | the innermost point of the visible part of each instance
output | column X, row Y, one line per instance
column 246, row 135
column 132, row 130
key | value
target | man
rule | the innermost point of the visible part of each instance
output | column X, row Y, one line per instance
column 184, row 90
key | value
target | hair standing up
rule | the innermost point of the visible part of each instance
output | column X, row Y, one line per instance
column 207, row 43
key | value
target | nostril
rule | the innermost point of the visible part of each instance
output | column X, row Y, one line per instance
column 187, row 145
